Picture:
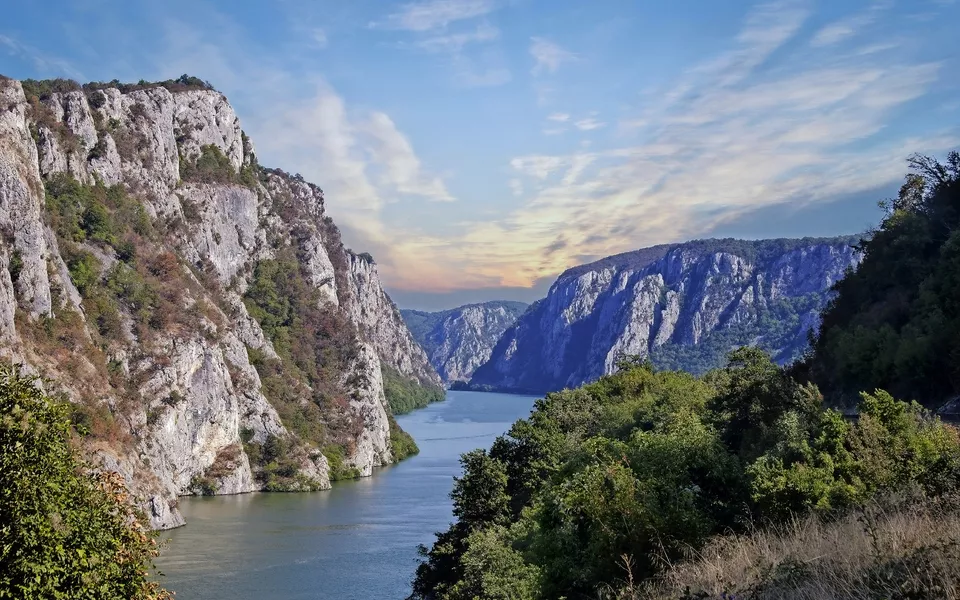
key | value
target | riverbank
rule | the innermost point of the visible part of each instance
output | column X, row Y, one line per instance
column 357, row 540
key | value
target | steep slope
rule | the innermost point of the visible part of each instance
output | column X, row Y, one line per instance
column 459, row 340
column 200, row 312
column 683, row 306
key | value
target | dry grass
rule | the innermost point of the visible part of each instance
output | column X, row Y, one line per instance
column 907, row 549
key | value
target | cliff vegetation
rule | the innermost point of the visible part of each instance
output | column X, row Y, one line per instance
column 199, row 312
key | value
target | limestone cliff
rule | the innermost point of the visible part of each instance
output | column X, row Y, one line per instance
column 461, row 339
column 684, row 306
column 148, row 268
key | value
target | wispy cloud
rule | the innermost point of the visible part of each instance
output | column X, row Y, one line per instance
column 758, row 125
column 838, row 31
column 455, row 42
column 589, row 124
column 319, row 37
column 435, row 14
column 402, row 170
column 548, row 56
column 730, row 138
column 429, row 21
column 42, row 62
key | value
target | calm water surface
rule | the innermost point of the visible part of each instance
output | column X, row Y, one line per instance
column 356, row 541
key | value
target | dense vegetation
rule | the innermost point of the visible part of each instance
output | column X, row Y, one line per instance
column 213, row 166
column 43, row 89
column 895, row 322
column 66, row 531
column 646, row 464
column 605, row 490
column 776, row 328
column 404, row 395
column 316, row 345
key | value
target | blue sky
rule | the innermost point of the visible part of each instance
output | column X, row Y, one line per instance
column 478, row 147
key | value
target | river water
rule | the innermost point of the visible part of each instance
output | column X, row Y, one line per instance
column 356, row 541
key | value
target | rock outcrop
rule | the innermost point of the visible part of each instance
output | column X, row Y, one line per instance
column 459, row 340
column 136, row 228
column 683, row 306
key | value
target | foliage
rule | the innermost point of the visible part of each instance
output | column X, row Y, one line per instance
column 775, row 328
column 213, row 166
column 45, row 88
column 404, row 395
column 336, row 460
column 316, row 344
column 65, row 530
column 184, row 83
column 402, row 444
column 895, row 322
column 15, row 266
column 641, row 466
column 145, row 282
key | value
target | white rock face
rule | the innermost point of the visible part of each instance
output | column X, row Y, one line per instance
column 381, row 323
column 461, row 339
column 664, row 299
column 21, row 202
column 373, row 444
column 189, row 399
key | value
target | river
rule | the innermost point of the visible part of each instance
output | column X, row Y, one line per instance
column 356, row 541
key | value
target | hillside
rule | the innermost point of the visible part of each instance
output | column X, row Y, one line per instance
column 199, row 311
column 459, row 340
column 683, row 306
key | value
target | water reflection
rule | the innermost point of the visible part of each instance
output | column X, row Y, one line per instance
column 357, row 540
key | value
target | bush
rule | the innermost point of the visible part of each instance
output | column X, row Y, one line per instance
column 65, row 531
column 213, row 166
column 640, row 467
column 894, row 323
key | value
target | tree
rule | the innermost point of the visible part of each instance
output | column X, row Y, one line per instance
column 66, row 531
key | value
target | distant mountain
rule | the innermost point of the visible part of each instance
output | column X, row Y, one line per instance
column 684, row 306
column 459, row 340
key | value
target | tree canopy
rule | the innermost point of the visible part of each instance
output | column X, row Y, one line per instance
column 66, row 530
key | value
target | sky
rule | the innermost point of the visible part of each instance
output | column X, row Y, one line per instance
column 477, row 148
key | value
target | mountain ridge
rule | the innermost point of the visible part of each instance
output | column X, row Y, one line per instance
column 458, row 340
column 681, row 305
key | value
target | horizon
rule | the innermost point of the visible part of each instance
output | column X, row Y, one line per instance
column 478, row 148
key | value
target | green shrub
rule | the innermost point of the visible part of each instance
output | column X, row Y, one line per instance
column 84, row 270
column 15, row 266
column 65, row 532
column 402, row 444
column 641, row 467
column 213, row 166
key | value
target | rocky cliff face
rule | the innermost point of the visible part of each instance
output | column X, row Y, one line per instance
column 140, row 248
column 381, row 322
column 458, row 341
column 683, row 306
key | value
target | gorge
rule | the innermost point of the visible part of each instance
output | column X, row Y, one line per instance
column 683, row 306
column 198, row 310
column 459, row 340
column 209, row 333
